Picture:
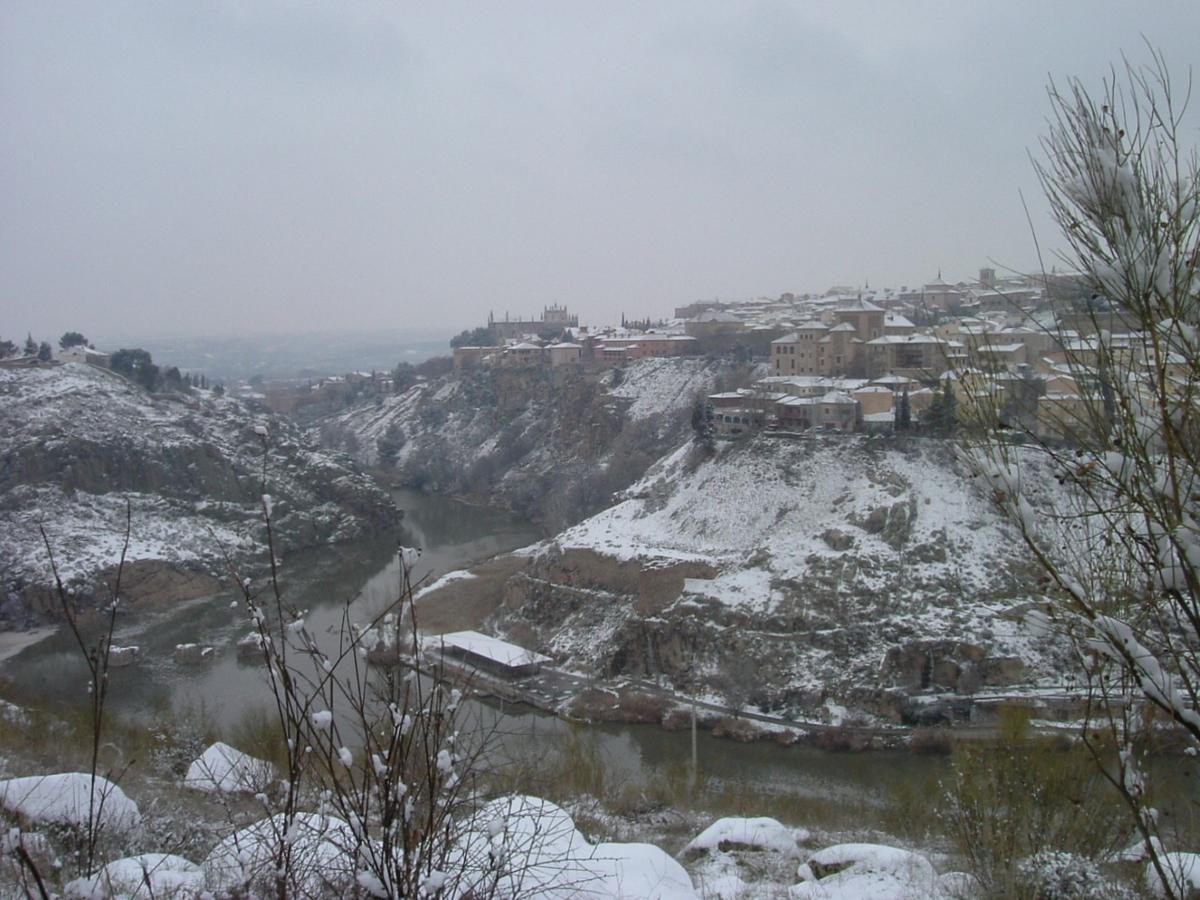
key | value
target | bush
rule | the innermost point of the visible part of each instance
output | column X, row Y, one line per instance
column 1018, row 795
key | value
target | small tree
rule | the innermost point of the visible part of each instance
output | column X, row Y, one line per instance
column 31, row 346
column 404, row 376
column 45, row 352
column 388, row 445
column 1120, row 544
column 7, row 349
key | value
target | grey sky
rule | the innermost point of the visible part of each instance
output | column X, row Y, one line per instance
column 212, row 167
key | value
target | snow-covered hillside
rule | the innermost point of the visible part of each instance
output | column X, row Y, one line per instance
column 553, row 444
column 808, row 569
column 78, row 442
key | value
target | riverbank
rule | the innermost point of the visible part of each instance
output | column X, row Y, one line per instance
column 13, row 642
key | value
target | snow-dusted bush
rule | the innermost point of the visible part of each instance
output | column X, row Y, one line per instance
column 1054, row 875
column 1120, row 546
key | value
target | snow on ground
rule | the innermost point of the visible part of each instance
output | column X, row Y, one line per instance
column 80, row 442
column 783, row 499
column 87, row 531
column 70, row 799
column 862, row 543
column 448, row 578
column 150, row 876
column 659, row 386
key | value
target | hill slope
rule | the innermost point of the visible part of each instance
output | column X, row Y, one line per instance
column 76, row 443
column 788, row 572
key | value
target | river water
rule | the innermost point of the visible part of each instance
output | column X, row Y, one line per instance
column 452, row 535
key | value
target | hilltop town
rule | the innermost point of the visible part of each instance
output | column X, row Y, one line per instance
column 853, row 360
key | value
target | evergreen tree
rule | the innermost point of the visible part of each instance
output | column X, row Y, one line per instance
column 72, row 339
column 7, row 348
column 31, row 346
column 45, row 351
column 389, row 445
column 903, row 412
column 941, row 417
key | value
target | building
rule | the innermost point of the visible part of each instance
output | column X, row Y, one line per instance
column 466, row 357
column 488, row 654
column 83, row 354
column 554, row 318
column 564, row 353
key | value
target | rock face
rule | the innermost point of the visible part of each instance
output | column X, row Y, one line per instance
column 789, row 574
column 549, row 444
column 82, row 448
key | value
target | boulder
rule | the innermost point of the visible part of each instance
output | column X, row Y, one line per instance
column 119, row 657
column 191, row 654
column 225, row 769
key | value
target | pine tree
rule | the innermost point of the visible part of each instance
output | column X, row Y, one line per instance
column 903, row 412
column 31, row 346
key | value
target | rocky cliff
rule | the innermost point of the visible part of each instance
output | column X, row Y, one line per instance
column 551, row 444
column 798, row 576
column 80, row 446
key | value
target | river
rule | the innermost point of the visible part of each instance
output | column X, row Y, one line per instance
column 452, row 535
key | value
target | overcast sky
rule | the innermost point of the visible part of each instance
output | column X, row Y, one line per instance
column 215, row 167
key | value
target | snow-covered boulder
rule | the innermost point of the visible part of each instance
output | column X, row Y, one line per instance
column 1183, row 871
column 190, row 654
column 735, row 833
column 250, row 646
column 636, row 870
column 542, row 854
column 12, row 714
column 866, row 872
column 225, row 769
column 323, row 853
column 151, row 876
column 68, row 799
column 119, row 657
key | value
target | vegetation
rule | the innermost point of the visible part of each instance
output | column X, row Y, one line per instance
column 72, row 339
column 472, row 337
column 138, row 365
column 1021, row 795
column 1120, row 547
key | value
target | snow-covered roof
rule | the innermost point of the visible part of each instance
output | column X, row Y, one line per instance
column 716, row 315
column 524, row 345
column 906, row 339
column 837, row 397
column 787, row 339
column 859, row 305
column 491, row 648
column 844, row 326
column 565, row 345
column 1000, row 348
